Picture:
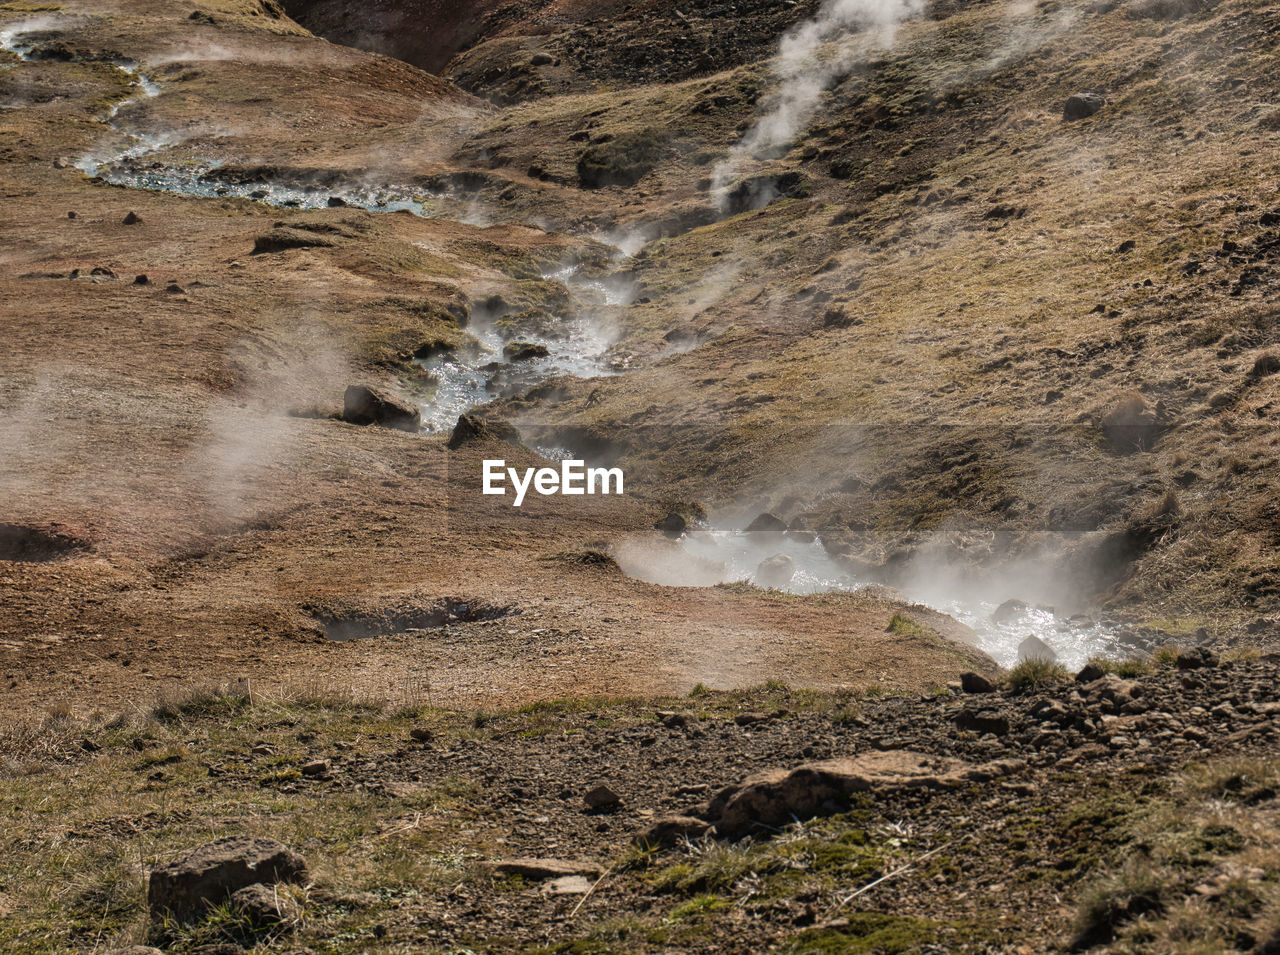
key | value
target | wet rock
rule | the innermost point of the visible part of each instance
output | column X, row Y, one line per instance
column 264, row 906
column 767, row 524
column 982, row 723
column 524, row 351
column 777, row 797
column 668, row 831
column 209, row 875
column 131, row 219
column 1196, row 659
column 539, row 870
column 471, row 429
column 336, row 202
column 1082, row 105
column 775, row 571
column 1132, row 423
column 601, row 799
column 364, row 406
column 672, row 526
column 1009, row 610
column 976, row 683
column 1033, row 648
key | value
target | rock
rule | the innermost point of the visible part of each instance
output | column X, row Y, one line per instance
column 217, row 948
column 539, row 870
column 568, row 885
column 1131, row 423
column 542, row 59
column 524, row 351
column 173, row 288
column 976, row 683
column 131, row 219
column 601, row 799
column 779, row 796
column 1082, row 105
column 775, row 571
column 1009, row 610
column 316, row 769
column 1090, row 672
column 470, row 428
column 750, row 719
column 766, row 524
column 141, row 280
column 984, row 722
column 264, row 906
column 672, row 720
column 207, row 876
column 1113, row 689
column 364, row 406
column 667, row 831
column 421, row 734
column 134, row 950
column 1265, row 365
column 672, row 526
column 1195, row 659
column 1033, row 648
column 336, row 202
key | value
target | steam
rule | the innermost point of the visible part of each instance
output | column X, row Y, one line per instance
column 806, row 70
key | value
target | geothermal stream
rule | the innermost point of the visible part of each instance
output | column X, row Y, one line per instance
column 473, row 376
column 708, row 557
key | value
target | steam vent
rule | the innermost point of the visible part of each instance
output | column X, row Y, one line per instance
column 639, row 476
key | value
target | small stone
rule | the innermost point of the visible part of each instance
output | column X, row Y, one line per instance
column 141, row 280
column 1090, row 672
column 601, row 799
column 671, row 830
column 568, row 885
column 1195, row 659
column 1082, row 105
column 984, row 722
column 672, row 720
column 539, row 870
column 750, row 719
column 316, row 769
column 264, row 906
column 421, row 734
column 131, row 219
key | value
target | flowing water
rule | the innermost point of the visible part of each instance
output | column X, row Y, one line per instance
column 720, row 556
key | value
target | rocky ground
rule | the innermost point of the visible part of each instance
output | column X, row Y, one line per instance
column 1133, row 812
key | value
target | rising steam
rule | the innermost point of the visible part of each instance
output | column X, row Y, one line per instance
column 806, row 69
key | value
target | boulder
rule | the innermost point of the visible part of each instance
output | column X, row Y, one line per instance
column 471, row 429
column 1090, row 672
column 981, row 723
column 667, row 831
column 524, row 351
column 777, row 797
column 1132, row 423
column 1033, row 648
column 767, row 524
column 672, row 526
column 976, row 683
column 1009, row 610
column 775, row 571
column 364, row 405
column 209, row 875
column 1196, row 658
column 1082, row 105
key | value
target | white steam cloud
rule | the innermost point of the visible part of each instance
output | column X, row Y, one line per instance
column 806, row 70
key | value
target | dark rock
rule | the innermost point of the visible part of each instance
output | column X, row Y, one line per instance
column 667, row 831
column 336, row 202
column 601, row 799
column 1195, row 659
column 421, row 735
column 1090, row 672
column 207, row 876
column 775, row 571
column 542, row 59
column 750, row 719
column 131, row 219
column 767, row 524
column 1082, row 105
column 976, row 683
column 672, row 526
column 141, row 280
column 1009, row 610
column 364, row 406
column 984, row 722
column 471, row 429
